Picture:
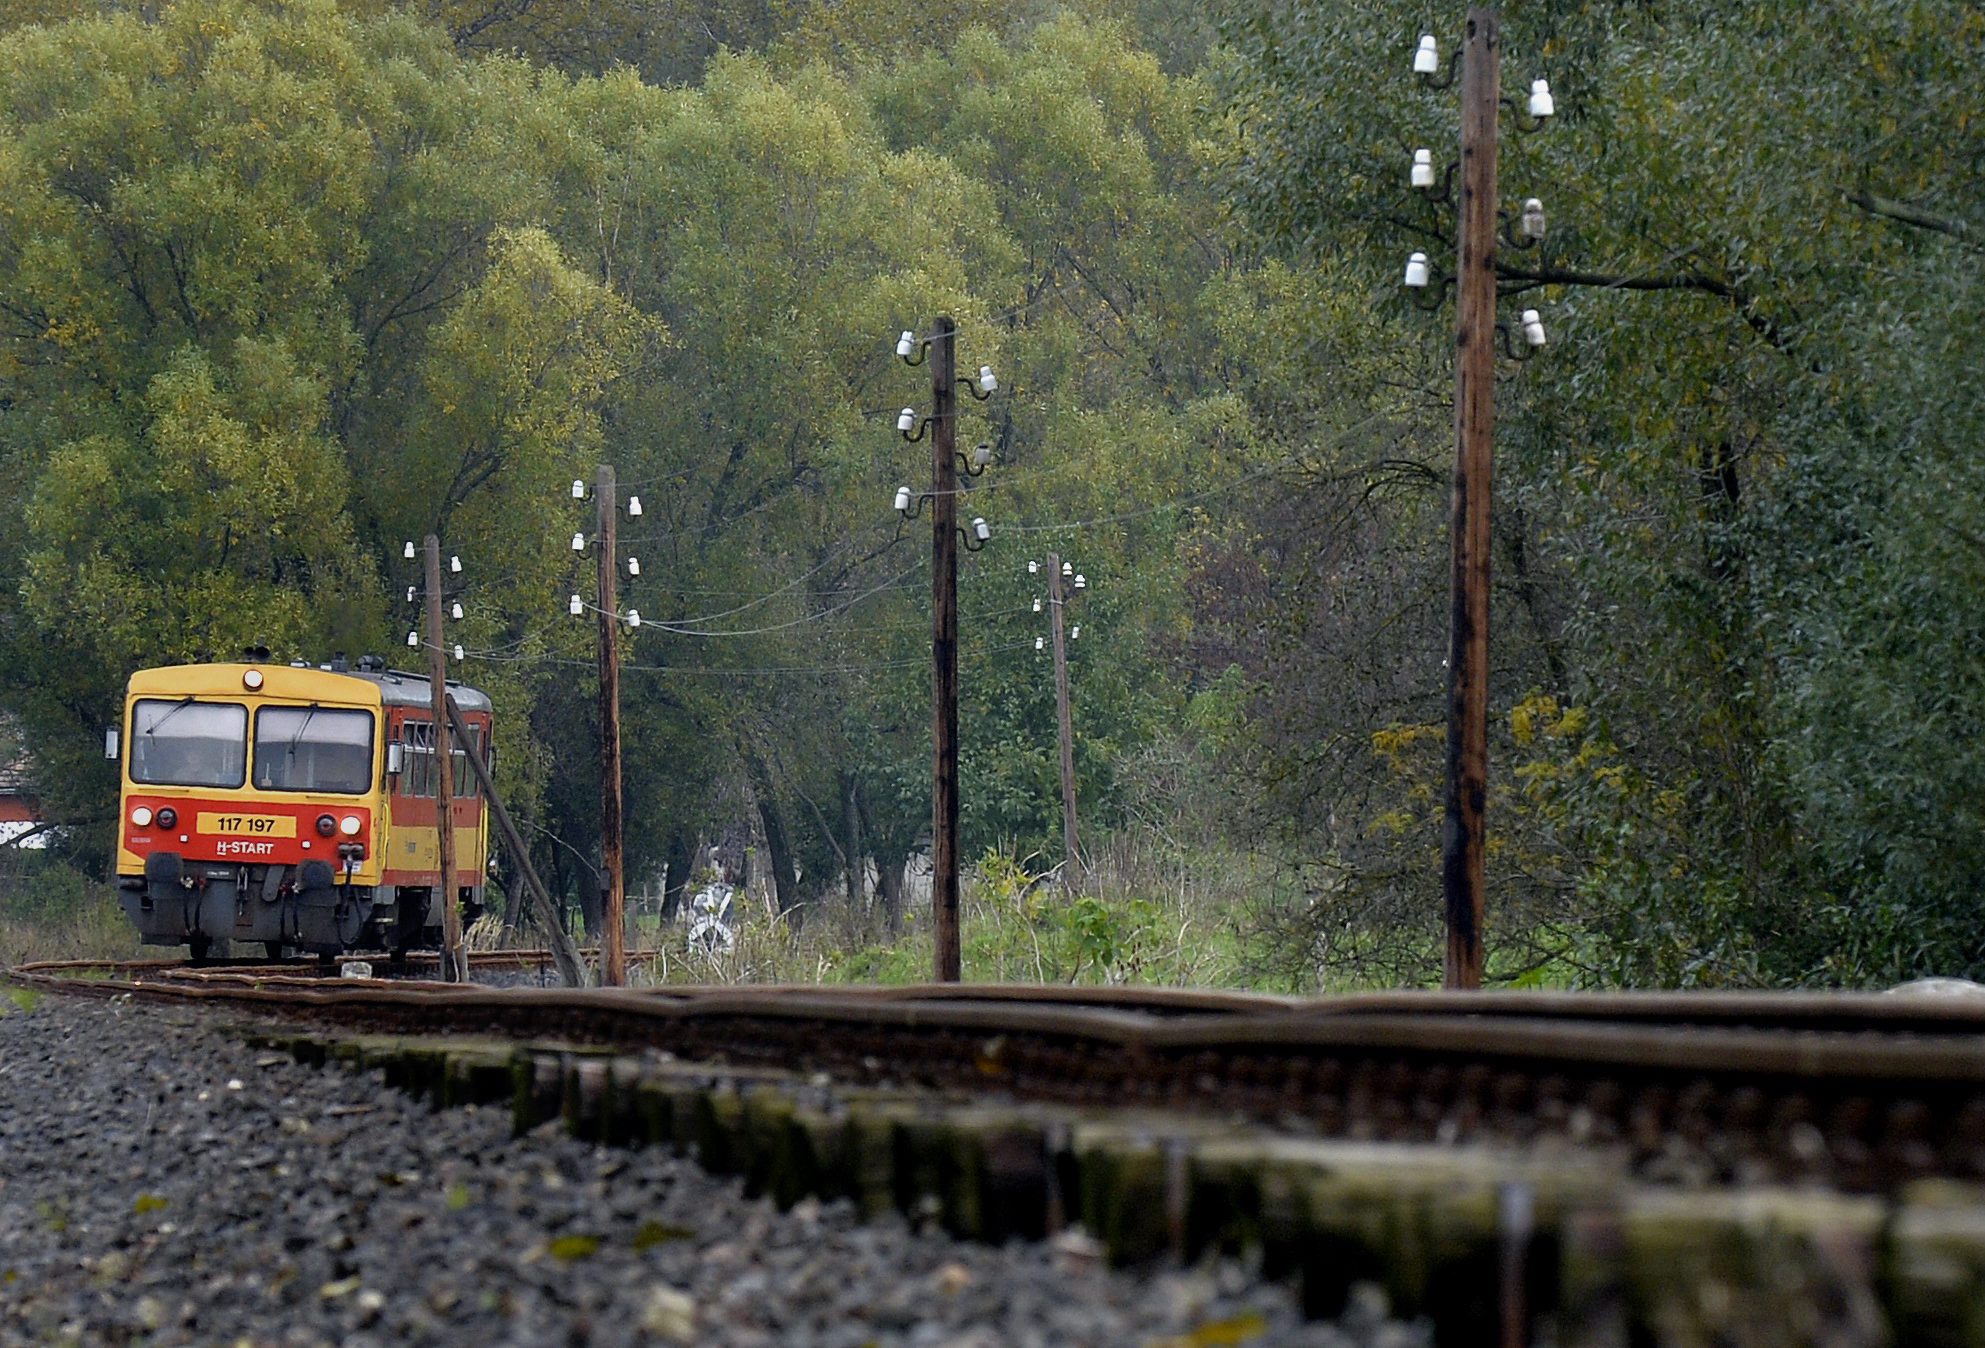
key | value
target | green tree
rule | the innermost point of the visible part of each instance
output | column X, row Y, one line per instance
column 270, row 306
column 1717, row 265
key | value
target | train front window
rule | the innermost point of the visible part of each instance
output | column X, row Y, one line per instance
column 313, row 749
column 182, row 742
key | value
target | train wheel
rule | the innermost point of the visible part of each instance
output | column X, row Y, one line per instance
column 198, row 945
column 274, row 949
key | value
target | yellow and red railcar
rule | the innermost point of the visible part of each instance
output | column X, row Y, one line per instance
column 293, row 806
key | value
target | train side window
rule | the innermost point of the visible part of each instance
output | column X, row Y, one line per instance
column 466, row 786
column 417, row 764
column 417, row 772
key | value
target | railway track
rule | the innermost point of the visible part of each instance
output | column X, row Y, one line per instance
column 1613, row 1166
column 1861, row 1092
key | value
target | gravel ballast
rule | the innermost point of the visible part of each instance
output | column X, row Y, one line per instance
column 163, row 1183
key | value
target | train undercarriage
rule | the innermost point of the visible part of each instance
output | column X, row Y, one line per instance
column 211, row 907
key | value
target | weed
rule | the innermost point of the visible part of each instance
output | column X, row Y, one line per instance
column 1138, row 916
column 92, row 926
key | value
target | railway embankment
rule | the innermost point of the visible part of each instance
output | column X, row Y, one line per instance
column 163, row 1180
column 1571, row 1170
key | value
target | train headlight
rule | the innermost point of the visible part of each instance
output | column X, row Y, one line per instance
column 252, row 680
column 167, row 816
column 141, row 815
column 349, row 825
column 326, row 825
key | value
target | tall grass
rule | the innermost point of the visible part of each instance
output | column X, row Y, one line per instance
column 1139, row 915
column 50, row 911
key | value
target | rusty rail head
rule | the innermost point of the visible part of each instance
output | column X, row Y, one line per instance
column 1841, row 1011
column 1872, row 1039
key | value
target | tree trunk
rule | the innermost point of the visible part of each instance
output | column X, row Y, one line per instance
column 888, row 876
column 1722, row 492
column 889, row 889
column 591, row 901
column 682, row 865
column 1515, row 528
column 551, row 861
column 853, row 854
column 514, row 904
column 778, row 848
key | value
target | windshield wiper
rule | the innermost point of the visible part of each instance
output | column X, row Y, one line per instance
column 297, row 738
column 184, row 703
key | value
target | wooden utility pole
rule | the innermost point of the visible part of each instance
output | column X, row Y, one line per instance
column 454, row 967
column 1474, row 434
column 613, row 954
column 946, row 965
column 1071, row 853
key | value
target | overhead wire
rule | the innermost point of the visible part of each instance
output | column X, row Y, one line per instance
column 816, row 616
column 922, row 661
column 859, row 667
column 695, row 626
column 832, row 556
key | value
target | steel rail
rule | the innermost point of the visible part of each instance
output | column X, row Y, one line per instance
column 1875, row 1054
column 1863, row 1093
column 1839, row 1011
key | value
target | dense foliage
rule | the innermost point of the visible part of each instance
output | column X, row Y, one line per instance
column 1740, row 656
column 283, row 285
